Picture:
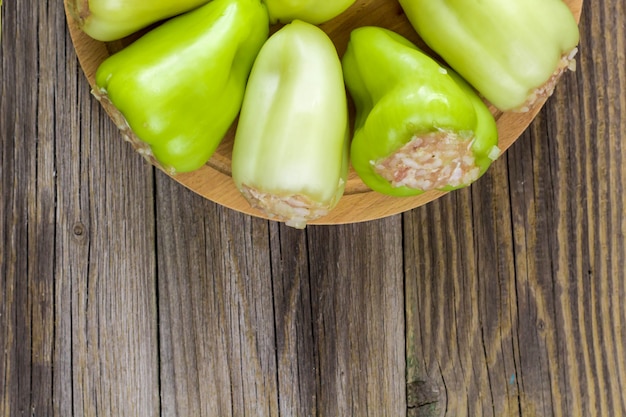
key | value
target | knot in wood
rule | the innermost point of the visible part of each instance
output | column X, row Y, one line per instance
column 78, row 229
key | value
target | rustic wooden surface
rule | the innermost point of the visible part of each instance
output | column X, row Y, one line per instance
column 124, row 294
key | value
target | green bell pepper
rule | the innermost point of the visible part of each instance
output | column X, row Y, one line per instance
column 311, row 11
column 180, row 86
column 290, row 156
column 418, row 125
column 107, row 20
column 512, row 51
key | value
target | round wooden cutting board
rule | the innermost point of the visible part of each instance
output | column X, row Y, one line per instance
column 359, row 203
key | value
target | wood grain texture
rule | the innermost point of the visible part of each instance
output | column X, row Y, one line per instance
column 265, row 320
column 124, row 294
column 216, row 311
column 77, row 277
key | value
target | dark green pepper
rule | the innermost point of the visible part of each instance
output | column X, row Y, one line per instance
column 180, row 87
column 512, row 51
column 418, row 125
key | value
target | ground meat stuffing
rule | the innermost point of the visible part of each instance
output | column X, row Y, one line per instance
column 294, row 210
column 431, row 161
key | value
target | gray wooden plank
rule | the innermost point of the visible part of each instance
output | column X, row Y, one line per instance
column 27, row 218
column 358, row 312
column 108, row 270
column 112, row 304
column 266, row 349
column 296, row 350
column 215, row 308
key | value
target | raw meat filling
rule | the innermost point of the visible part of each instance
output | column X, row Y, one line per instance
column 294, row 210
column 431, row 161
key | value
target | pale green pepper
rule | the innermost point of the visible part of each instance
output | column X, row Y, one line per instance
column 290, row 156
column 107, row 20
column 511, row 51
column 180, row 87
column 418, row 126
column 311, row 11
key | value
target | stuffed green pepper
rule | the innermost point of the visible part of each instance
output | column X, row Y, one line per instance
column 290, row 156
column 176, row 91
column 418, row 125
column 512, row 51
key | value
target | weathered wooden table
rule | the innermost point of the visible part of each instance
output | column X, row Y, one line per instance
column 124, row 294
